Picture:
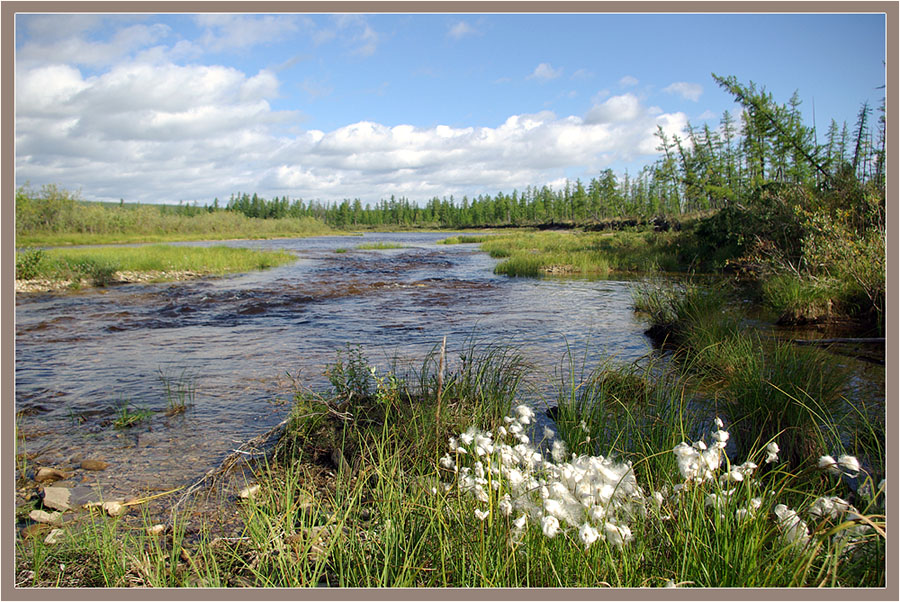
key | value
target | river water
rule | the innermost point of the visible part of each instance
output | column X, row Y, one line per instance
column 237, row 343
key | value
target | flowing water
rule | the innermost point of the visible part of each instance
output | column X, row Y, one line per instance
column 235, row 345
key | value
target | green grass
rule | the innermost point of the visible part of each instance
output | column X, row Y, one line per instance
column 360, row 493
column 465, row 239
column 128, row 416
column 99, row 265
column 770, row 390
column 180, row 390
column 585, row 253
column 796, row 300
column 77, row 223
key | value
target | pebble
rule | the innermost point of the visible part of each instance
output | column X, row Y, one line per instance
column 115, row 508
column 94, row 465
column 57, row 498
column 249, row 492
column 55, row 536
column 42, row 516
column 49, row 474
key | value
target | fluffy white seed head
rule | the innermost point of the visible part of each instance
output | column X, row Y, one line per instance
column 549, row 526
column 850, row 464
column 588, row 535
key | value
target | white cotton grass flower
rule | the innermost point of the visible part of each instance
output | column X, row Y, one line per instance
column 448, row 463
column 733, row 475
column 794, row 530
column 558, row 451
column 524, row 414
column 747, row 469
column 721, row 437
column 549, row 526
column 830, row 507
column 484, row 444
column 482, row 514
column 505, row 505
column 617, row 535
column 850, row 464
column 521, row 522
column 588, row 535
column 830, row 464
column 468, row 437
column 772, row 450
column 719, row 423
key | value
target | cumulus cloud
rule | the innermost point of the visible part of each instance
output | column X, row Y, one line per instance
column 628, row 81
column 685, row 90
column 73, row 46
column 545, row 71
column 169, row 132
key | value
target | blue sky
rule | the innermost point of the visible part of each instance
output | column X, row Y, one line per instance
column 163, row 108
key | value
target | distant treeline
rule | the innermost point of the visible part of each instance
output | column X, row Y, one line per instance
column 709, row 169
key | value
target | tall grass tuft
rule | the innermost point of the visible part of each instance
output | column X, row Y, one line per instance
column 180, row 390
column 771, row 391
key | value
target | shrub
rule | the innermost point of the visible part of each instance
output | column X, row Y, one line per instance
column 29, row 263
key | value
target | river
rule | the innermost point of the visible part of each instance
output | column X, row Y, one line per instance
column 239, row 342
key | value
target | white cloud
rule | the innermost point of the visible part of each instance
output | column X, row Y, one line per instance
column 628, row 81
column 74, row 47
column 582, row 74
column 460, row 29
column 167, row 132
column 145, row 128
column 616, row 109
column 685, row 90
column 545, row 71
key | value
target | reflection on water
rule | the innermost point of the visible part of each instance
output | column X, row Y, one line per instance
column 241, row 339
